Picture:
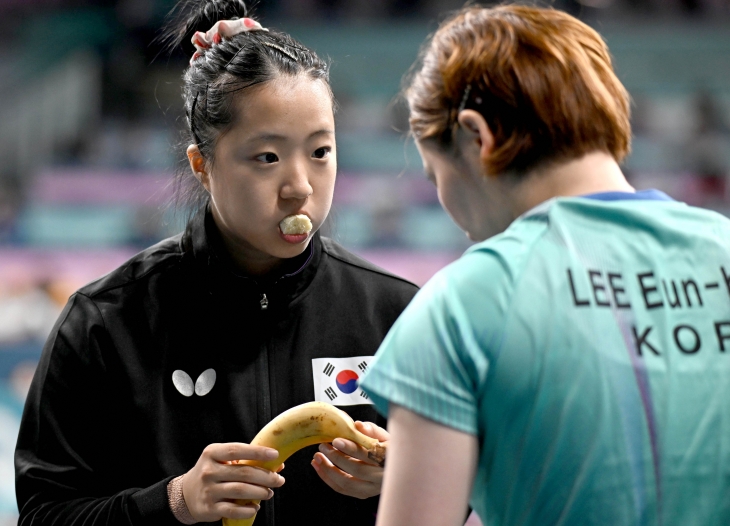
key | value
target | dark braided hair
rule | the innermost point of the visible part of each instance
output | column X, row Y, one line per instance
column 213, row 80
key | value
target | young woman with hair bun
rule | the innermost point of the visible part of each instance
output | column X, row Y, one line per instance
column 157, row 375
column 571, row 368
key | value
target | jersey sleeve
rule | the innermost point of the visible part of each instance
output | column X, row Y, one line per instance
column 69, row 437
column 436, row 358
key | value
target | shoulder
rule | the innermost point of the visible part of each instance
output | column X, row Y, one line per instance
column 580, row 225
column 344, row 261
column 478, row 288
column 151, row 261
column 499, row 259
column 629, row 212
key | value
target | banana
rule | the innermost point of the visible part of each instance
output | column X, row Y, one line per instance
column 296, row 224
column 305, row 425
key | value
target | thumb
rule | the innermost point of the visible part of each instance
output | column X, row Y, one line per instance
column 373, row 431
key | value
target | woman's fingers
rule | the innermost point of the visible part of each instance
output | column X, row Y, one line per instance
column 239, row 451
column 217, row 479
column 360, row 469
column 372, row 430
column 359, row 452
column 250, row 474
column 241, row 491
column 234, row 510
column 341, row 481
column 349, row 448
column 333, row 476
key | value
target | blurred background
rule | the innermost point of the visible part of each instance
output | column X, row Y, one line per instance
column 91, row 112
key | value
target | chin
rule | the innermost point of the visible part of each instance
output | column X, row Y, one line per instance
column 286, row 250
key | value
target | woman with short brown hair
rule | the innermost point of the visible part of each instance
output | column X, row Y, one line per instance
column 570, row 367
column 542, row 80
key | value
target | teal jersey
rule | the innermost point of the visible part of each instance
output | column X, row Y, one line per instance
column 588, row 349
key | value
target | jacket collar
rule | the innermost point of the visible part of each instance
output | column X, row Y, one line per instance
column 203, row 241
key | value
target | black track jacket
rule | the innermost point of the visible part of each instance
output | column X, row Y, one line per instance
column 104, row 428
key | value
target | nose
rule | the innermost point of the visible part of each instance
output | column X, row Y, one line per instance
column 296, row 185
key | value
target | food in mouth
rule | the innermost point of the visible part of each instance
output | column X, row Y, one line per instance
column 295, row 225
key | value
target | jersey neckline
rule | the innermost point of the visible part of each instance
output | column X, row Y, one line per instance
column 641, row 195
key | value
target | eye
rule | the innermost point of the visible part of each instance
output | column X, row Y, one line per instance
column 322, row 153
column 267, row 158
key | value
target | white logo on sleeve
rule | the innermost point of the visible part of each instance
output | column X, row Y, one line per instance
column 337, row 380
column 184, row 384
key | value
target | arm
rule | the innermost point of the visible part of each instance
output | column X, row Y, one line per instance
column 68, row 459
column 429, row 472
column 78, row 459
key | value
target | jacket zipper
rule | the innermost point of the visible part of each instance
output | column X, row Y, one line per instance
column 266, row 399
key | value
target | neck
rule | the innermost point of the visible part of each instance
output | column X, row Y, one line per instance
column 250, row 263
column 593, row 173
column 246, row 259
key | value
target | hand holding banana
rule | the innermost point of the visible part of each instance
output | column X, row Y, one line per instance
column 346, row 467
column 211, row 485
column 301, row 426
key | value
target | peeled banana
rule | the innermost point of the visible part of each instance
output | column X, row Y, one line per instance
column 297, row 224
column 305, row 425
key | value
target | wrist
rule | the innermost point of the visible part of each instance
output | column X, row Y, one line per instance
column 176, row 500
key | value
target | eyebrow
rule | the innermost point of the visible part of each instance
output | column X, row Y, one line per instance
column 275, row 137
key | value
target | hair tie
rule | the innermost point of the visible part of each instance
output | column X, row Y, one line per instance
column 222, row 29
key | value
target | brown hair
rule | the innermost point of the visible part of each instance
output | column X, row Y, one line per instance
column 542, row 79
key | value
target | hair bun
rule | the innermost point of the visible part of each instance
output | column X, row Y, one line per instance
column 215, row 10
column 189, row 16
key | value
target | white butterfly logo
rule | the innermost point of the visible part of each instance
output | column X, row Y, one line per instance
column 184, row 384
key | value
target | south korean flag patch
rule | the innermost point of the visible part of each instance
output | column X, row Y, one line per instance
column 337, row 380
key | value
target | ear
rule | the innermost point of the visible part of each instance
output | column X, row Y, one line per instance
column 475, row 133
column 197, row 164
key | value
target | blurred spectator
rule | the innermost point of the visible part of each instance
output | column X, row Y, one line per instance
column 19, row 382
column 27, row 312
column 708, row 148
column 9, row 425
column 387, row 223
column 10, row 203
column 12, row 397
